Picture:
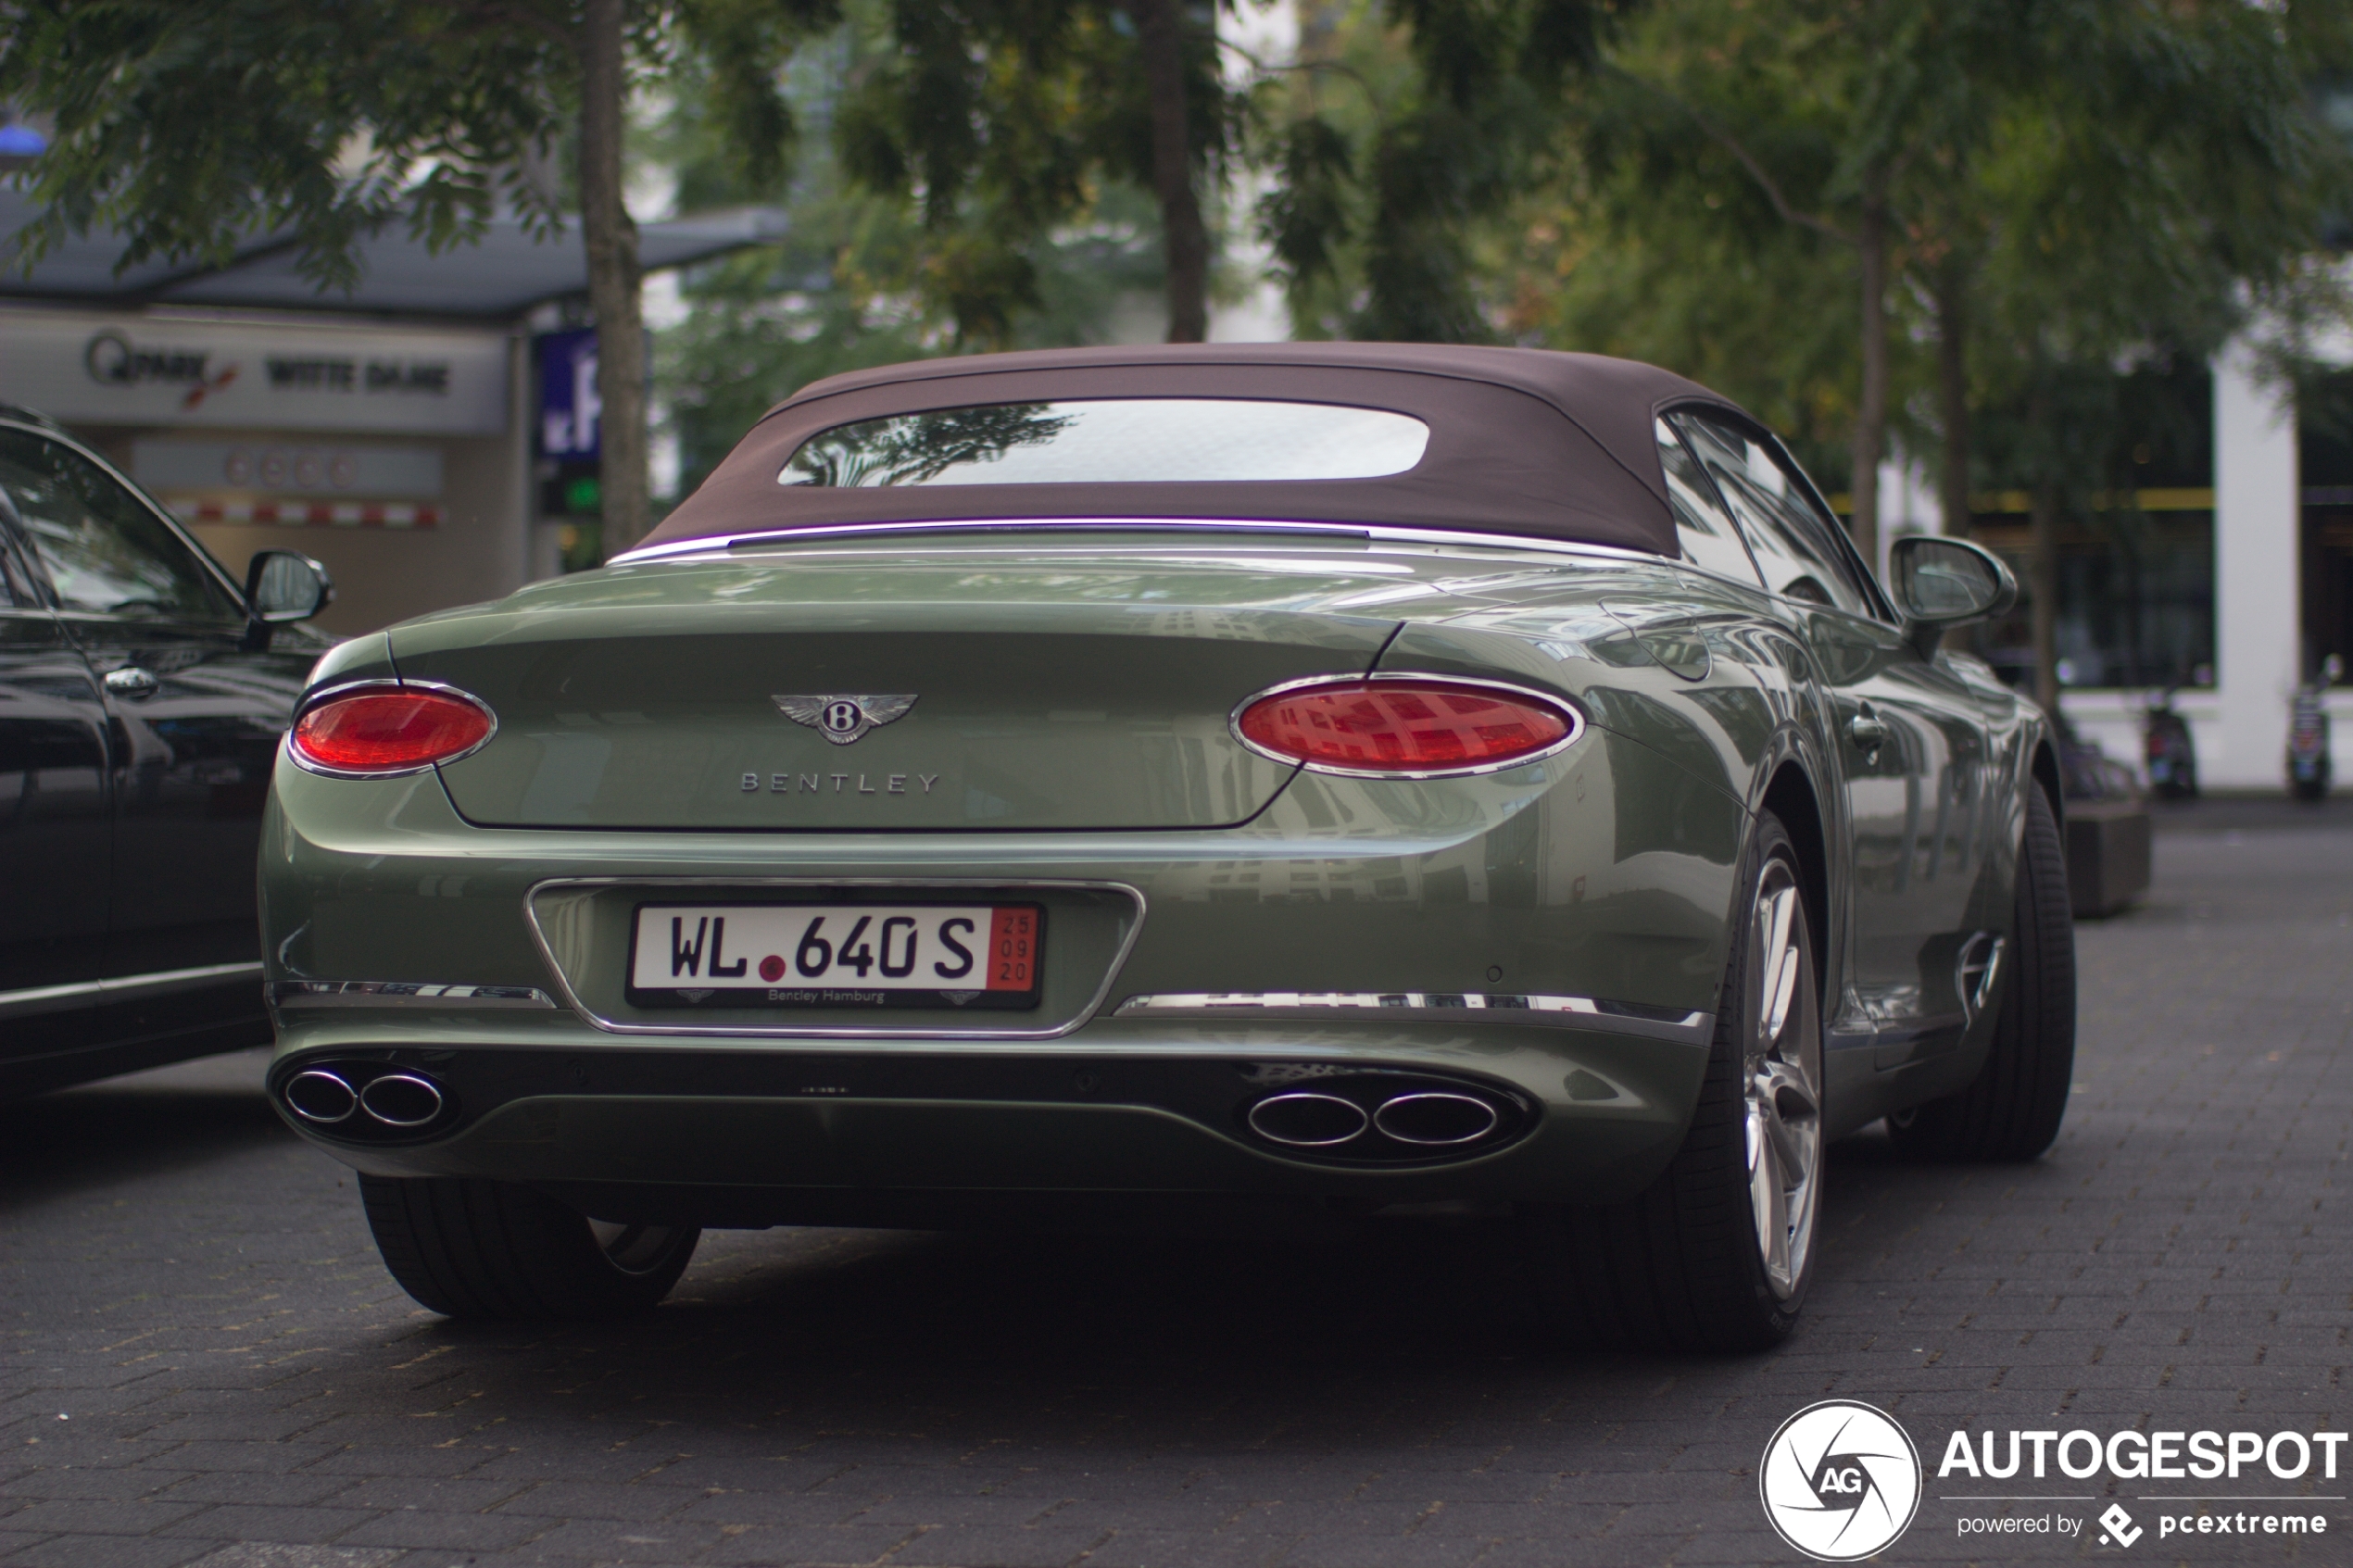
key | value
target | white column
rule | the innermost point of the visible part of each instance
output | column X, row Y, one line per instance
column 2258, row 615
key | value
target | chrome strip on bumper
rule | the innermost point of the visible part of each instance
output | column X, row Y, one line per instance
column 403, row 993
column 1623, row 1018
column 58, row 998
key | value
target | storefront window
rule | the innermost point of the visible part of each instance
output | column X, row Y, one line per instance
column 2135, row 600
column 2324, row 449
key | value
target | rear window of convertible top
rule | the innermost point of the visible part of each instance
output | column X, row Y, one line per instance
column 1143, row 440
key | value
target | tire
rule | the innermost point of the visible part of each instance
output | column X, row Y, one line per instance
column 469, row 1248
column 1686, row 1264
column 2012, row 1109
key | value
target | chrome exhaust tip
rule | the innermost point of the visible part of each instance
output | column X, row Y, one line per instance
column 1307, row 1120
column 1436, row 1121
column 401, row 1099
column 320, row 1097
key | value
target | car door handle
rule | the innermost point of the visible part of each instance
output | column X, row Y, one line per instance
column 1868, row 732
column 132, row 682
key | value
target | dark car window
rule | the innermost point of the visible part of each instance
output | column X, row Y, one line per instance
column 1707, row 535
column 1788, row 538
column 104, row 551
column 17, row 589
column 1138, row 440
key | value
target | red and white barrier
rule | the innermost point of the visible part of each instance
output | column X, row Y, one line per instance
column 311, row 514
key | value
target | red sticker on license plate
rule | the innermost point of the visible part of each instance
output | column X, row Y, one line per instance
column 1013, row 949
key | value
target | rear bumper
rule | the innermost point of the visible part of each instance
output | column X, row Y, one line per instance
column 774, row 1133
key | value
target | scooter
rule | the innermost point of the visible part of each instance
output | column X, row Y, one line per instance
column 2172, row 755
column 2307, row 735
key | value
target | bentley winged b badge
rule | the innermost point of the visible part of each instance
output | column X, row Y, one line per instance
column 842, row 718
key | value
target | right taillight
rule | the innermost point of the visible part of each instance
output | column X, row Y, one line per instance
column 387, row 727
column 1405, row 726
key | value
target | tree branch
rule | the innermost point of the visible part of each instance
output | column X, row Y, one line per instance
column 1748, row 160
column 494, row 14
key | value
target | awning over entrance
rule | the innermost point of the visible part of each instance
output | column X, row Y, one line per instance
column 503, row 275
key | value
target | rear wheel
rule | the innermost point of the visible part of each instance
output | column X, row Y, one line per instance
column 1718, row 1252
column 470, row 1248
column 2012, row 1109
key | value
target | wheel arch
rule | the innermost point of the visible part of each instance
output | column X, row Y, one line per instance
column 1790, row 796
column 2042, row 770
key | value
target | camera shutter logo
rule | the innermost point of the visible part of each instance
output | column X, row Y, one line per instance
column 1839, row 1481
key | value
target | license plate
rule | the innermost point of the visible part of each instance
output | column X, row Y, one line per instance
column 962, row 956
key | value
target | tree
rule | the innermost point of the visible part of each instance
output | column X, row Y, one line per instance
column 2029, row 189
column 196, row 127
column 842, row 289
column 1003, row 121
column 2156, row 182
column 1003, row 118
column 1450, row 110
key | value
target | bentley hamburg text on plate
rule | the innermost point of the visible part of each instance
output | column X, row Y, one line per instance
column 837, row 955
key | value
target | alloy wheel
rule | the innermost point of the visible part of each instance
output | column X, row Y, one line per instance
column 1781, row 1078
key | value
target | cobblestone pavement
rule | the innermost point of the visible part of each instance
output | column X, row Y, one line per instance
column 205, row 1361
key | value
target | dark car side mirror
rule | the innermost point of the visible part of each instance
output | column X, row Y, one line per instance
column 282, row 586
column 1944, row 582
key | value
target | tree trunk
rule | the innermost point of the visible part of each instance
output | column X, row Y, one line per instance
column 1870, row 413
column 613, row 277
column 1160, row 39
column 1952, row 393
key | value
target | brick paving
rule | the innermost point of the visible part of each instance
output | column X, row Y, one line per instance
column 205, row 1362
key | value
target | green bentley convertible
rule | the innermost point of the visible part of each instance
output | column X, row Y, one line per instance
column 1130, row 784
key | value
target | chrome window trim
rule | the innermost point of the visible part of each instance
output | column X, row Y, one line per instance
column 1085, row 1015
column 389, row 683
column 160, row 982
column 1576, row 725
column 1460, row 1007
column 718, row 545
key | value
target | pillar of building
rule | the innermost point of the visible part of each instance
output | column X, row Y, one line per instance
column 2256, row 611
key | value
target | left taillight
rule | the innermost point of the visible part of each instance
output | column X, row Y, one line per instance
column 387, row 727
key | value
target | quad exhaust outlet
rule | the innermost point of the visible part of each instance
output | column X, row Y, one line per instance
column 1372, row 1116
column 394, row 1101
column 321, row 1097
column 1307, row 1120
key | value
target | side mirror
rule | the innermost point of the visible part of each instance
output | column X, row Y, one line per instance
column 281, row 585
column 1944, row 582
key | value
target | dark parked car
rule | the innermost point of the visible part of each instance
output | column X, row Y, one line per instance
column 143, row 694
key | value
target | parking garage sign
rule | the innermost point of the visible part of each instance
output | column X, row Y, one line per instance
column 144, row 370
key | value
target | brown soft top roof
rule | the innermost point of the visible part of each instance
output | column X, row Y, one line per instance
column 1523, row 441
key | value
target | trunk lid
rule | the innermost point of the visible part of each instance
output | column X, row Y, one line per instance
column 1067, row 693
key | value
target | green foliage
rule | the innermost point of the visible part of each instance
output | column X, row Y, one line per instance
column 1758, row 311
column 1002, row 123
column 854, row 283
column 2101, row 180
column 193, row 126
column 196, row 126
column 1408, row 129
